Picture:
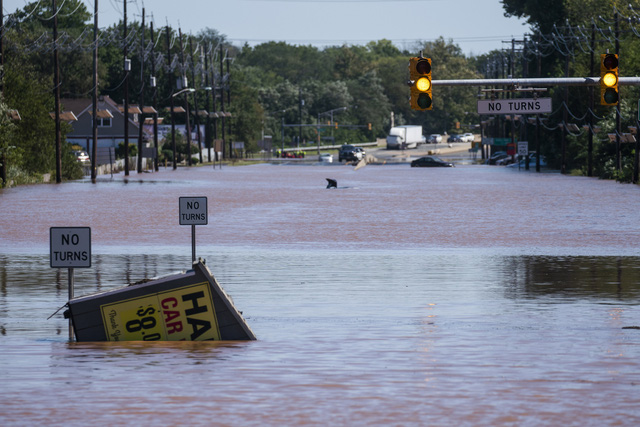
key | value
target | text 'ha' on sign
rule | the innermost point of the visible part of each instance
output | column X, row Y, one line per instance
column 193, row 211
column 514, row 106
column 70, row 247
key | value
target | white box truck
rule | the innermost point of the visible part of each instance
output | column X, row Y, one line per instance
column 409, row 135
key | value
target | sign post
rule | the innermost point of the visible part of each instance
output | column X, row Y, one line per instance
column 193, row 211
column 70, row 247
column 523, row 148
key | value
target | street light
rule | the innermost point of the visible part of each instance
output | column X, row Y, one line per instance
column 184, row 91
column 330, row 112
column 187, row 90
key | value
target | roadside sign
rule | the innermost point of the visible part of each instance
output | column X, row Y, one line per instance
column 500, row 141
column 514, row 106
column 70, row 247
column 193, row 211
column 523, row 148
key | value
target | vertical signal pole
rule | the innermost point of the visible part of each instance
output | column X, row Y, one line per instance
column 127, row 67
column 591, row 104
column 94, row 149
column 618, row 155
column 56, row 93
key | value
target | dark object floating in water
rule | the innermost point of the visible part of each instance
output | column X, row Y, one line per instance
column 331, row 183
column 631, row 327
column 186, row 306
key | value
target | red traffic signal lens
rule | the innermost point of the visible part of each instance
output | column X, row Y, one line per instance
column 423, row 67
column 610, row 62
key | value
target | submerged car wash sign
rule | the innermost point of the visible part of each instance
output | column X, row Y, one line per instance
column 514, row 106
column 193, row 211
column 70, row 247
column 182, row 314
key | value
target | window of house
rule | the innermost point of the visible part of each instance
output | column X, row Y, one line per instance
column 104, row 122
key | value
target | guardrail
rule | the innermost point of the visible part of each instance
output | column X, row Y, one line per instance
column 327, row 147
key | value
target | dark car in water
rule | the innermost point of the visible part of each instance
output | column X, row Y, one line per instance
column 430, row 161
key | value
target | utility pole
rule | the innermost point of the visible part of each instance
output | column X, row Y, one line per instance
column 207, row 129
column 213, row 99
column 142, row 85
column 56, row 93
column 127, row 67
column 300, row 103
column 195, row 99
column 186, row 98
column 565, row 118
column 94, row 149
column 3, row 155
column 222, row 104
column 173, row 118
column 155, row 99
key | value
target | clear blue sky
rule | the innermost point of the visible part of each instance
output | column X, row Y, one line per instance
column 477, row 26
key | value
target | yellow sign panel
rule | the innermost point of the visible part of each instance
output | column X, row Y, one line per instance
column 182, row 314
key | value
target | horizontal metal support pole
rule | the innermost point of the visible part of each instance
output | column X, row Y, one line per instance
column 553, row 81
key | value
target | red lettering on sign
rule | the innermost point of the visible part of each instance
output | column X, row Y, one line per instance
column 174, row 327
column 170, row 315
column 165, row 302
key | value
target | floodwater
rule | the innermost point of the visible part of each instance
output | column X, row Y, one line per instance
column 472, row 295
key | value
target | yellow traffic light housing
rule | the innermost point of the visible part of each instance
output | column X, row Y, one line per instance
column 420, row 83
column 609, row 94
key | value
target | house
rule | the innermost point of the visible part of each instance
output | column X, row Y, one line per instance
column 110, row 122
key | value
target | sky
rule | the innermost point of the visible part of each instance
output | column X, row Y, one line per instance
column 477, row 26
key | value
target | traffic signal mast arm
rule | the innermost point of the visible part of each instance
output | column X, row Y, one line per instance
column 544, row 82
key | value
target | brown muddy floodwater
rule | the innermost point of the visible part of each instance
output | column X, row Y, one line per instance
column 471, row 296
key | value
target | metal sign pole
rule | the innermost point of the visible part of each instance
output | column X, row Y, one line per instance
column 193, row 211
column 193, row 243
column 71, row 284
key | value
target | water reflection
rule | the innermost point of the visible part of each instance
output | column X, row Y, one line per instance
column 298, row 279
column 601, row 278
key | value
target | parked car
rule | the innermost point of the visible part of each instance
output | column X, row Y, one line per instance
column 350, row 153
column 430, row 161
column 495, row 157
column 82, row 156
column 326, row 158
column 435, row 138
column 467, row 137
column 532, row 162
column 454, row 138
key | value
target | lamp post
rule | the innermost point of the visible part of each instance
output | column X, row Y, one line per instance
column 330, row 112
column 207, row 129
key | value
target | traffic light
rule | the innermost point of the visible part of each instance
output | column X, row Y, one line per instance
column 420, row 82
column 609, row 79
column 369, row 126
